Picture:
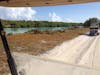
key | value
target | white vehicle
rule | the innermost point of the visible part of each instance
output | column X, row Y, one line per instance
column 94, row 29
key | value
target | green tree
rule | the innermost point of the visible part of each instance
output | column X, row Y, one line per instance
column 89, row 21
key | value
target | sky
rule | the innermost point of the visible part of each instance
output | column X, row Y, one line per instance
column 62, row 13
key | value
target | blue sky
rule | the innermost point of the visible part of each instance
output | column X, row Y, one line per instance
column 75, row 12
column 65, row 13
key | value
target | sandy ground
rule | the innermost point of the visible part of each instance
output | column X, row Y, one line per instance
column 32, row 65
column 35, row 44
column 83, row 50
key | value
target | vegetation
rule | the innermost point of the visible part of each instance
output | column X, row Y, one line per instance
column 87, row 22
column 23, row 24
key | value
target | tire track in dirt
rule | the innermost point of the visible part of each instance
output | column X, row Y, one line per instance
column 85, row 48
column 76, row 51
column 88, row 57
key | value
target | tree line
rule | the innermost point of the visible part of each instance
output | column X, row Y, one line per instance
column 23, row 24
column 88, row 22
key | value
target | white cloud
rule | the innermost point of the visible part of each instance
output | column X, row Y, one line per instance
column 56, row 18
column 23, row 13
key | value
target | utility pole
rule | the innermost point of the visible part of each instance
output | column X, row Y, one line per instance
column 10, row 59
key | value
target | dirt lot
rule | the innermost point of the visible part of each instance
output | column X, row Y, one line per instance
column 35, row 44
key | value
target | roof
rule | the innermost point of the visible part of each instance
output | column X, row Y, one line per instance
column 28, row 3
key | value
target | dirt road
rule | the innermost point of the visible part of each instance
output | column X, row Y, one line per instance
column 83, row 50
column 31, row 65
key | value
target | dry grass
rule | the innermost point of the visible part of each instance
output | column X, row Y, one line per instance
column 35, row 43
